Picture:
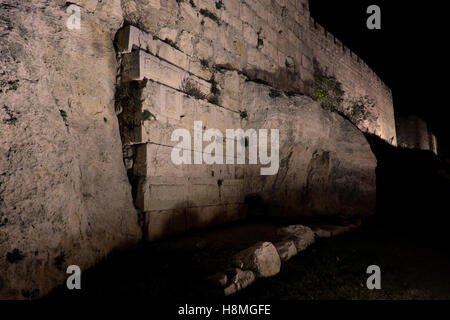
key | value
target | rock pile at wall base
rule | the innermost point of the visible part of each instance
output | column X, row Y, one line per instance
column 264, row 259
column 64, row 195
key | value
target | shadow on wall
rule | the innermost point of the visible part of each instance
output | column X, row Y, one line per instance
column 183, row 218
column 286, row 79
column 412, row 186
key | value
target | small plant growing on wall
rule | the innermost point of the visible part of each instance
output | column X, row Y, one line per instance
column 220, row 5
column 204, row 63
column 361, row 109
column 191, row 89
column 243, row 114
column 171, row 43
column 209, row 14
column 12, row 120
column 327, row 90
column 213, row 97
column 147, row 116
column 260, row 39
column 63, row 114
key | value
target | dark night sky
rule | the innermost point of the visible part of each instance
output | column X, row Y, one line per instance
column 408, row 53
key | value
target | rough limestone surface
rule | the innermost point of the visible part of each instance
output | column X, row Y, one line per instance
column 286, row 249
column 262, row 258
column 238, row 280
column 241, row 281
column 325, row 161
column 302, row 236
column 64, row 194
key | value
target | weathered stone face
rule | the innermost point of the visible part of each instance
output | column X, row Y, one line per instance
column 413, row 133
column 325, row 161
column 276, row 42
column 64, row 194
column 262, row 258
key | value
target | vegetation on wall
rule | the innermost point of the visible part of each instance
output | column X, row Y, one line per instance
column 209, row 14
column 12, row 120
column 220, row 5
column 171, row 43
column 328, row 91
column 243, row 114
column 361, row 109
column 147, row 115
column 191, row 89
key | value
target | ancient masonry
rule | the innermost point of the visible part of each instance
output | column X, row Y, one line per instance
column 206, row 66
column 413, row 132
column 66, row 197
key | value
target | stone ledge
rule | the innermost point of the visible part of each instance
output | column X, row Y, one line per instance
column 130, row 38
column 139, row 65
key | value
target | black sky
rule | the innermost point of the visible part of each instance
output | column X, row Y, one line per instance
column 409, row 52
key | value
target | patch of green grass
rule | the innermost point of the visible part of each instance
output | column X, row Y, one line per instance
column 335, row 269
column 105, row 120
column 191, row 2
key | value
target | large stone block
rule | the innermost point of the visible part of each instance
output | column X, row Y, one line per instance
column 130, row 37
column 139, row 65
column 262, row 258
column 65, row 196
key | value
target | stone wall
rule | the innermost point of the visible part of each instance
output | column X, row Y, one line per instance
column 270, row 41
column 413, row 133
column 323, row 159
column 64, row 195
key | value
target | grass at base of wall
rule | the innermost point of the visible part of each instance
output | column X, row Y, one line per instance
column 412, row 267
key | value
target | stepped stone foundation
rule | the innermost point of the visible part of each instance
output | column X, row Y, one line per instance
column 86, row 117
column 324, row 159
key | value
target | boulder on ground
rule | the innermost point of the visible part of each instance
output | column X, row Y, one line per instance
column 286, row 249
column 262, row 258
column 302, row 236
